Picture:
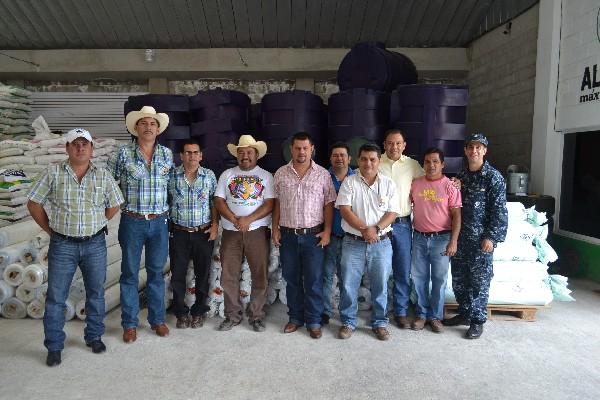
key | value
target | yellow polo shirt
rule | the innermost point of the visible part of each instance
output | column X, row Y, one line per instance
column 402, row 172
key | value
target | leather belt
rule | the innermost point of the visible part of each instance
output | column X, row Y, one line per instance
column 143, row 216
column 191, row 229
column 80, row 239
column 302, row 231
column 430, row 234
column 381, row 237
column 402, row 219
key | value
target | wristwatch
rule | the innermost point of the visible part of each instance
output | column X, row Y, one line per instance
column 378, row 229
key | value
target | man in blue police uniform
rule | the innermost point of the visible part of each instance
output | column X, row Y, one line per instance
column 484, row 224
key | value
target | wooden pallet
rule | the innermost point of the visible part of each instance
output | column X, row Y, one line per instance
column 503, row 312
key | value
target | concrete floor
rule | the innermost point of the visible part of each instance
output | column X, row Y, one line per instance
column 556, row 357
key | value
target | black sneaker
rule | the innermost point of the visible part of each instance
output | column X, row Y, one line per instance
column 258, row 325
column 53, row 358
column 324, row 319
column 97, row 346
column 227, row 324
column 456, row 320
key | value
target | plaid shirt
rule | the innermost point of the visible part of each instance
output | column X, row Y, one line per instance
column 144, row 187
column 76, row 208
column 301, row 201
column 191, row 204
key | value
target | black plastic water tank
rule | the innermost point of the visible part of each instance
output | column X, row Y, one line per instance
column 358, row 116
column 369, row 65
column 432, row 116
column 218, row 117
column 284, row 114
column 176, row 107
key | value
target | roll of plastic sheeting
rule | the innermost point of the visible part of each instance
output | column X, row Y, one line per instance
column 43, row 256
column 28, row 255
column 6, row 291
column 40, row 240
column 113, row 254
column 10, row 254
column 19, row 232
column 111, row 297
column 25, row 294
column 271, row 295
column 13, row 274
column 35, row 309
column 41, row 292
column 282, row 295
column 364, row 298
column 69, row 310
column 14, row 308
column 35, row 275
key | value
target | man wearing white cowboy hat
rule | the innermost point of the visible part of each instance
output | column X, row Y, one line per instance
column 142, row 169
column 244, row 198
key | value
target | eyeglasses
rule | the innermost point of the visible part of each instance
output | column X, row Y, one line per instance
column 191, row 153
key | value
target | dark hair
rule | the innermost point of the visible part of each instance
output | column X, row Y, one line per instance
column 369, row 147
column 339, row 145
column 190, row 141
column 302, row 136
column 434, row 150
column 393, row 131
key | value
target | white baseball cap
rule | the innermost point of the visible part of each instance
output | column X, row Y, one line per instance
column 77, row 133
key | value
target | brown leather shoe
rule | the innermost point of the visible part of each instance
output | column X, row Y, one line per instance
column 315, row 333
column 436, row 326
column 290, row 327
column 382, row 333
column 197, row 321
column 161, row 330
column 402, row 322
column 129, row 335
column 345, row 332
column 418, row 324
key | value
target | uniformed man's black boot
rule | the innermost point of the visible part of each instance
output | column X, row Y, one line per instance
column 456, row 320
column 474, row 331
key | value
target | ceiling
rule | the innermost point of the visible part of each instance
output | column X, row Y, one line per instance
column 181, row 24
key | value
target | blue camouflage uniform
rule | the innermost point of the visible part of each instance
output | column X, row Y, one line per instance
column 484, row 216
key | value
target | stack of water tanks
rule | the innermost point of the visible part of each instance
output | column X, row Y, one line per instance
column 218, row 117
column 285, row 114
column 432, row 116
column 177, row 107
column 359, row 113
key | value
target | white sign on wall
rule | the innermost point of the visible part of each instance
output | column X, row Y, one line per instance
column 578, row 103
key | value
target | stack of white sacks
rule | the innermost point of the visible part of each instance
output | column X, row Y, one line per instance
column 521, row 263
column 15, row 110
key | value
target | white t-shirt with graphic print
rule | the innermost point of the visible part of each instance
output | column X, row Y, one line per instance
column 244, row 192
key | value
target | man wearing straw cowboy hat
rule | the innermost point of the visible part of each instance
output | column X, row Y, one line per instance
column 142, row 169
column 82, row 197
column 244, row 198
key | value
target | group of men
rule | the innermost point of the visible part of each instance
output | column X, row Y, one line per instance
column 325, row 222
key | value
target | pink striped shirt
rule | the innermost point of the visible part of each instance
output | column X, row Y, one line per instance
column 301, row 201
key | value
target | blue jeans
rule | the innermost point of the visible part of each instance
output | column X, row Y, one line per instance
column 332, row 265
column 428, row 263
column 401, row 245
column 302, row 267
column 135, row 233
column 376, row 259
column 64, row 256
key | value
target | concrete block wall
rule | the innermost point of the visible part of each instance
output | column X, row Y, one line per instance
column 502, row 86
